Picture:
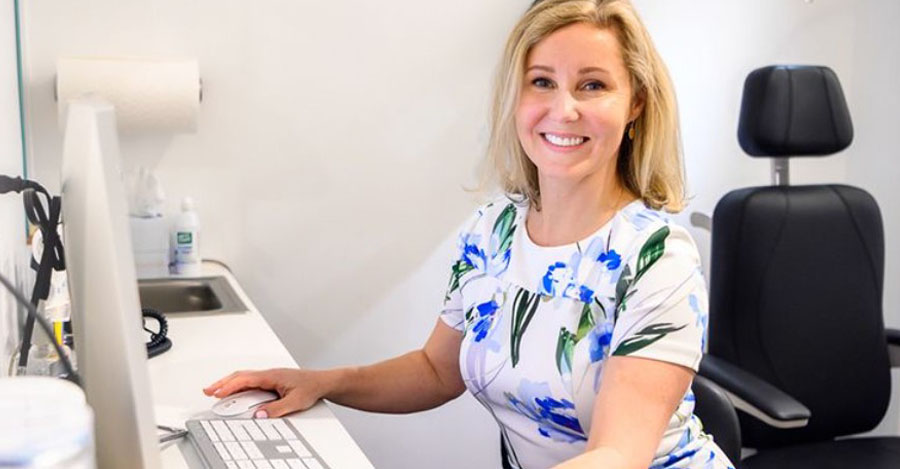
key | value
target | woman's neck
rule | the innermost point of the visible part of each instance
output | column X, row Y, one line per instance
column 571, row 212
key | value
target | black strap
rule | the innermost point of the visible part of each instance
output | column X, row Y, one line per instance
column 52, row 258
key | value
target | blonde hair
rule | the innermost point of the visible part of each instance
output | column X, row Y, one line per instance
column 652, row 169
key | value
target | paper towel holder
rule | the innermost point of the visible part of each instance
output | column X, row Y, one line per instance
column 56, row 88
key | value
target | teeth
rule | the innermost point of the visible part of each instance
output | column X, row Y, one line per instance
column 564, row 141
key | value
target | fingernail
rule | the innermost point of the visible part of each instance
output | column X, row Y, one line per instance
column 261, row 414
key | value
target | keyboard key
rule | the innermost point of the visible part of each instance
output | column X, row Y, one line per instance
column 235, row 449
column 223, row 453
column 279, row 464
column 296, row 464
column 252, row 450
column 231, row 465
column 239, row 433
column 210, row 433
column 283, row 449
column 246, row 464
column 283, row 429
column 313, row 464
column 255, row 433
column 262, row 464
column 222, row 430
column 268, row 428
column 299, row 448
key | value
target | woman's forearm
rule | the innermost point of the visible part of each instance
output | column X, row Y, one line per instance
column 605, row 457
column 408, row 383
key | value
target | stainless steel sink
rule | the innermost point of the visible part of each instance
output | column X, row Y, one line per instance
column 203, row 294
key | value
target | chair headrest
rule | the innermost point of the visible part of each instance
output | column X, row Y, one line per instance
column 792, row 110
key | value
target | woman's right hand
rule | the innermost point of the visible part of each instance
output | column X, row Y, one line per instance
column 298, row 389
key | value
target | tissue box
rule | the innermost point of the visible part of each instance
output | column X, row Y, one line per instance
column 150, row 243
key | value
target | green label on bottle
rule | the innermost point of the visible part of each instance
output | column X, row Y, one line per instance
column 185, row 237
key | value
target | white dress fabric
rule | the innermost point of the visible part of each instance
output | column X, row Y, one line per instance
column 539, row 323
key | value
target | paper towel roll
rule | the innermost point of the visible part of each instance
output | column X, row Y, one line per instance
column 148, row 95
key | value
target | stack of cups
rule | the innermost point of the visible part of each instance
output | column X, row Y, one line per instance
column 46, row 423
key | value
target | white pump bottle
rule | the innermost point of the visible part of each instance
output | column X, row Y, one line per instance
column 185, row 246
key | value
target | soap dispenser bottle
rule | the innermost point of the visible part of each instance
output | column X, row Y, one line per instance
column 186, row 254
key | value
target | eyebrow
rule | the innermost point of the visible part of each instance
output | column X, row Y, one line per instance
column 580, row 72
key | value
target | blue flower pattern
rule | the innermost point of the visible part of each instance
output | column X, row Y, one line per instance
column 557, row 273
column 702, row 318
column 486, row 312
column 612, row 259
column 555, row 417
column 554, row 414
column 561, row 277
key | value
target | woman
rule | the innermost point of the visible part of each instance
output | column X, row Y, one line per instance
column 576, row 311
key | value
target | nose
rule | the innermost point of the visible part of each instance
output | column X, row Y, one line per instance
column 564, row 107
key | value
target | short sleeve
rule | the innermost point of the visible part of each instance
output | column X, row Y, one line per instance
column 661, row 301
column 452, row 311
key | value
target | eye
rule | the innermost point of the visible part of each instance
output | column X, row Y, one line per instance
column 541, row 82
column 594, row 85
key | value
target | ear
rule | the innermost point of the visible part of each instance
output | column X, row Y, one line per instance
column 637, row 107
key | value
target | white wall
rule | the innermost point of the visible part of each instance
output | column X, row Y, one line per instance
column 335, row 137
column 12, row 224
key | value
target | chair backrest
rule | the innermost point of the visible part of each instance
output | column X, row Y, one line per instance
column 797, row 272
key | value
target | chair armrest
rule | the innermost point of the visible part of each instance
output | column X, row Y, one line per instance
column 719, row 417
column 754, row 396
column 893, row 341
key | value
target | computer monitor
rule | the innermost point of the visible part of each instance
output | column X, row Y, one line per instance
column 109, row 344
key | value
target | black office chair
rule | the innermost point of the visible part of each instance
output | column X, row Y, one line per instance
column 796, row 334
column 716, row 411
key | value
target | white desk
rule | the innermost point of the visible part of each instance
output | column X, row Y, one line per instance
column 207, row 347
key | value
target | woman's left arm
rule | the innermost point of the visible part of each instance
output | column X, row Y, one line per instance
column 637, row 398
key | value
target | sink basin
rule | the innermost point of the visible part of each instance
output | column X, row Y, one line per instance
column 183, row 295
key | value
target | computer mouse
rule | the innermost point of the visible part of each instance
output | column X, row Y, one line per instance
column 243, row 404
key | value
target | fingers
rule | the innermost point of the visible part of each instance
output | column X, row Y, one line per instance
column 279, row 408
column 235, row 382
column 211, row 389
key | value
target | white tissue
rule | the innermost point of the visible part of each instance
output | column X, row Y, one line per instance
column 145, row 194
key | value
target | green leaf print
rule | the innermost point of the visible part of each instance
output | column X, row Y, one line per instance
column 469, row 314
column 504, row 228
column 586, row 323
column 645, row 337
column 599, row 307
column 524, row 306
column 651, row 251
column 565, row 348
column 622, row 293
column 458, row 270
column 566, row 342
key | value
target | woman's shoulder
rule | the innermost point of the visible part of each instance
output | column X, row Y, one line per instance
column 501, row 215
column 485, row 239
column 640, row 231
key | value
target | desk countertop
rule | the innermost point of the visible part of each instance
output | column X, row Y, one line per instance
column 209, row 346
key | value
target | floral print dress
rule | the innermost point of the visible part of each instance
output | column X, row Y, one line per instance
column 539, row 323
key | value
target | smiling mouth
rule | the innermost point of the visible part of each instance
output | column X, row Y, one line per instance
column 564, row 141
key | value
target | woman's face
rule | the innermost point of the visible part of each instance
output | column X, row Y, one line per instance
column 575, row 103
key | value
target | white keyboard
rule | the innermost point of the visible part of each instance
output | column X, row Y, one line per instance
column 252, row 444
